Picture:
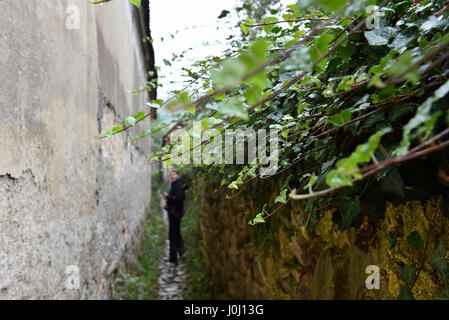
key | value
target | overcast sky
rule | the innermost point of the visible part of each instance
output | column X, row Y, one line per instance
column 193, row 23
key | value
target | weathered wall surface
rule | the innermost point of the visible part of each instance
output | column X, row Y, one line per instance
column 283, row 260
column 66, row 198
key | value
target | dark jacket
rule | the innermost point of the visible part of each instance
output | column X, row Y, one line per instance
column 175, row 198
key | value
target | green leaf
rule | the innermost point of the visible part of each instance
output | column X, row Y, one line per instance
column 334, row 5
column 299, row 60
column 136, row 3
column 393, row 183
column 234, row 106
column 108, row 133
column 380, row 36
column 320, row 48
column 117, row 128
column 282, row 197
column 431, row 23
column 405, row 293
column 334, row 179
column 220, row 96
column 438, row 260
column 415, row 240
column 182, row 102
column 259, row 217
column 407, row 273
column 301, row 107
column 269, row 27
column 347, row 168
column 230, row 74
column 145, row 133
column 205, row 123
column 349, row 210
column 167, row 62
column 401, row 64
column 312, row 182
column 233, row 185
column 130, row 121
column 223, row 14
column 245, row 25
column 422, row 116
column 259, row 48
column 341, row 118
column 139, row 116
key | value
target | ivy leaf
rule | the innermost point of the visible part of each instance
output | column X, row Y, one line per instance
column 320, row 48
column 299, row 60
column 431, row 23
column 303, row 105
column 167, row 62
column 145, row 133
column 393, row 183
column 401, row 64
column 245, row 25
column 259, row 217
column 130, row 121
column 117, row 128
column 312, row 182
column 223, row 14
column 137, row 3
column 268, row 27
column 415, row 240
column 347, row 168
column 380, row 36
column 422, row 116
column 220, row 96
column 234, row 106
column 259, row 49
column 334, row 5
column 183, row 101
column 407, row 273
column 438, row 260
column 282, row 197
column 405, row 293
column 205, row 123
column 349, row 210
column 233, row 185
column 334, row 179
column 139, row 116
column 108, row 133
column 230, row 74
column 341, row 118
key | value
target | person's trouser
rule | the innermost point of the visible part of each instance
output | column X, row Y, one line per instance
column 175, row 238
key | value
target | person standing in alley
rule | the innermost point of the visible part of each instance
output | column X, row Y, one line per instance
column 175, row 208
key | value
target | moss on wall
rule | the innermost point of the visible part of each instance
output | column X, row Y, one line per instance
column 283, row 260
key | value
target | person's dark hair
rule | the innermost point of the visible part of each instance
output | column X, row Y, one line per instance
column 175, row 171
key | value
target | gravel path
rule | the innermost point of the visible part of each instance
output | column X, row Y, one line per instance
column 172, row 280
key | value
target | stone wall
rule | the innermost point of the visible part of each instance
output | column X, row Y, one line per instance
column 281, row 259
column 66, row 198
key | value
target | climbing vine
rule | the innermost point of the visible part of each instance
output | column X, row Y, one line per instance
column 355, row 90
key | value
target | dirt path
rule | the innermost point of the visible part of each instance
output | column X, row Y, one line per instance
column 172, row 280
